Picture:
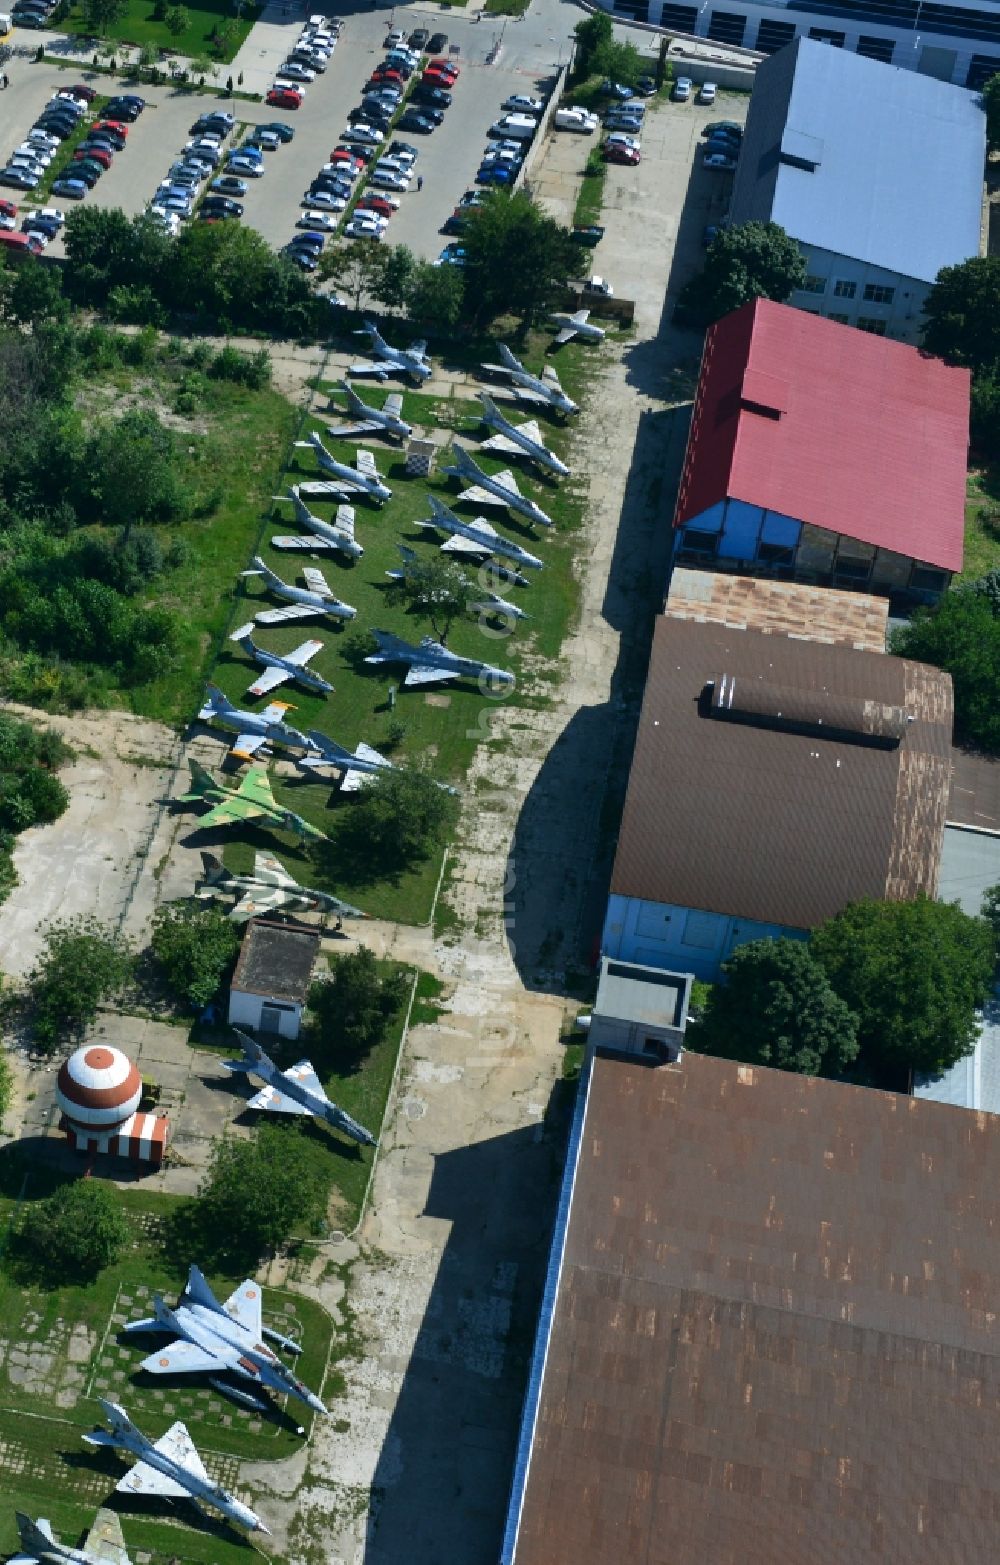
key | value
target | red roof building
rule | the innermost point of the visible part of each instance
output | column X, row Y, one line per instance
column 826, row 455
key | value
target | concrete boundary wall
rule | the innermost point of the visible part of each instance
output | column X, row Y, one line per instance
column 538, row 139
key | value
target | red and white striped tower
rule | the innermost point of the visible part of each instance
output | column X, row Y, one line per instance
column 98, row 1090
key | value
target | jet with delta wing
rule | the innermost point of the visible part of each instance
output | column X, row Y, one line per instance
column 530, row 388
column 355, row 766
column 220, row 1339
column 489, row 604
column 169, row 1467
column 303, row 602
column 386, row 420
column 478, row 538
column 278, row 666
column 295, row 1091
column 338, row 534
column 579, row 325
column 104, row 1543
column 430, row 662
column 269, row 889
column 344, row 480
column 498, row 489
column 518, row 439
column 386, row 361
column 252, row 800
column 254, row 730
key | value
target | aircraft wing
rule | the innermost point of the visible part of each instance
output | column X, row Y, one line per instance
column 507, row 480
column 297, row 541
column 315, row 580
column 456, row 544
column 270, row 679
column 566, row 334
column 271, row 870
column 230, row 811
column 368, row 753
column 304, row 1074
column 478, row 496
column 245, row 746
column 303, row 652
column 366, row 464
column 369, row 367
column 394, row 404
column 275, row 1102
column 501, row 443
column 522, row 394
column 531, row 431
column 362, row 427
column 177, row 1446
column 180, row 1358
column 243, row 1305
column 352, row 780
column 105, row 1544
column 427, row 674
column 289, row 612
column 418, row 349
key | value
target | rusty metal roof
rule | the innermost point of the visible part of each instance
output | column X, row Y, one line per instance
column 855, row 619
column 775, row 1333
column 975, row 790
column 756, row 821
column 276, row 960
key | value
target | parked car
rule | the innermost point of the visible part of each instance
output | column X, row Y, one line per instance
column 426, row 92
column 389, row 179
column 437, row 42
column 219, row 120
column 610, row 89
column 223, row 204
column 419, row 38
column 119, row 109
column 448, row 66
column 618, row 138
column 394, row 36
column 414, row 120
column 619, row 154
column 383, row 205
column 80, row 90
column 404, row 150
column 283, row 98
column 451, row 255
column 401, row 166
column 34, row 153
column 724, row 128
column 719, row 161
column 706, row 92
column 441, row 75
column 283, row 132
column 682, row 89
column 74, row 189
column 366, row 225
column 324, row 201
column 521, row 103
column 302, row 258
column 646, row 86
column 589, row 234
column 292, row 71
column 244, row 168
column 8, row 208
column 229, row 185
column 265, row 139
column 317, row 222
column 19, row 178
column 495, row 174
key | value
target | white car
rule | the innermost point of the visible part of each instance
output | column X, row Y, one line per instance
column 41, row 138
column 619, row 139
column 520, row 103
column 362, row 136
column 297, row 73
column 389, row 179
column 718, row 160
column 346, row 171
column 27, row 166
column 600, row 285
column 37, row 154
column 682, row 89
column 68, row 99
column 7, row 222
column 319, row 220
column 394, row 38
column 401, row 156
column 324, row 200
column 394, row 165
column 286, row 84
column 40, row 236
column 706, row 92
column 575, row 119
column 362, row 227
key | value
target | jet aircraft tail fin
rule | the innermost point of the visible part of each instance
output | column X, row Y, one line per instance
column 35, row 1537
column 508, row 358
column 197, row 1291
column 213, row 867
column 200, row 779
column 253, row 1056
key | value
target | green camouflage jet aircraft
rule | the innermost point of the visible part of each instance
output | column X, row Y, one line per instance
column 252, row 800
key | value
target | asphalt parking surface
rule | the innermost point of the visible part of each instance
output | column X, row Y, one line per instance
column 448, row 158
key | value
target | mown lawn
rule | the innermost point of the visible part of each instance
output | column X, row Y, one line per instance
column 982, row 525
column 138, row 26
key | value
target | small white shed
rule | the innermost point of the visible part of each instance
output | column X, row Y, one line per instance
column 272, row 978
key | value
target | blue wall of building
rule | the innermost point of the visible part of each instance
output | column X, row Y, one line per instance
column 680, row 939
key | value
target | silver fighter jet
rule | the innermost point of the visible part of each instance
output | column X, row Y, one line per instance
column 478, row 538
column 170, row 1467
column 268, row 890
column 338, row 534
column 545, row 389
column 344, row 480
column 518, row 439
column 254, row 730
column 356, row 767
column 222, row 1339
column 430, row 662
column 295, row 1091
column 499, row 489
column 579, row 325
column 490, row 603
column 104, row 1544
column 386, row 420
column 386, row 361
column 303, row 602
column 278, row 668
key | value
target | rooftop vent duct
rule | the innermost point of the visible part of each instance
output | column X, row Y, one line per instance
column 814, row 712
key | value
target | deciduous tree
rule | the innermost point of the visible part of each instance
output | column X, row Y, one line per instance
column 72, row 1235
column 962, row 314
column 750, row 261
column 436, row 296
column 193, row 945
column 436, row 589
column 355, row 1006
column 594, row 33
column 100, row 16
column 517, row 260
column 962, row 636
column 777, row 1007
column 82, row 963
column 355, row 266
column 258, row 1192
column 396, row 277
column 991, row 103
column 401, row 817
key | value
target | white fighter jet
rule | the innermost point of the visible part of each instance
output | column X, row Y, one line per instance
column 355, row 766
column 338, row 535
column 169, row 1467
column 386, row 420
column 295, row 1091
column 499, row 489
column 478, row 539
column 254, row 730
column 579, row 325
column 303, row 602
column 344, row 480
column 518, row 439
column 278, row 668
column 104, row 1544
column 531, row 388
column 430, row 662
column 386, row 361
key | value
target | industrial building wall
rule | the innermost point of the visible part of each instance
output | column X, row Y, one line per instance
column 247, row 1010
column 689, row 940
column 858, row 294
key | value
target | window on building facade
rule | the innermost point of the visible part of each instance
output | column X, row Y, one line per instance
column 875, row 48
column 926, row 580
column 876, row 293
column 699, row 542
column 841, row 320
column 843, row 289
column 869, row 323
column 814, row 285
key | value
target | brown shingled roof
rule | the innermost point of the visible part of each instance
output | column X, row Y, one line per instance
column 791, row 608
column 752, row 820
column 276, row 960
column 775, row 1336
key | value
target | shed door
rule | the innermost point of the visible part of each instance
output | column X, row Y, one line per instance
column 270, row 1018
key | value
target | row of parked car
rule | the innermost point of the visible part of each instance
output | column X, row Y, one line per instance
column 61, row 119
column 308, row 59
column 225, row 172
column 32, row 13
column 721, row 143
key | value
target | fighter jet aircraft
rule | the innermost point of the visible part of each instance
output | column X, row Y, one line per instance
column 104, row 1544
column 295, row 1091
column 252, row 800
column 223, row 1338
column 363, row 479
column 431, row 662
column 386, row 420
column 498, row 490
column 337, row 535
column 577, row 325
column 253, row 729
column 267, row 890
column 412, row 361
column 303, row 602
column 519, row 439
column 490, row 603
column 355, row 766
column 278, row 668
column 170, row 1467
column 478, row 538
column 529, row 388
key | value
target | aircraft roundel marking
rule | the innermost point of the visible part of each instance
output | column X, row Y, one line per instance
column 164, row 1363
column 251, row 1293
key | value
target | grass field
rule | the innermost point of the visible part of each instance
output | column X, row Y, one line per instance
column 138, row 26
column 982, row 525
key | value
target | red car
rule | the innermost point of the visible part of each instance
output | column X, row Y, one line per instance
column 386, row 73
column 343, row 155
column 613, row 152
column 376, row 204
column 442, row 79
column 88, row 94
column 441, row 64
column 284, row 98
column 97, row 153
column 120, row 130
column 8, row 208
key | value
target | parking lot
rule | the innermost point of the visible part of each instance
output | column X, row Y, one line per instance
column 447, row 161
